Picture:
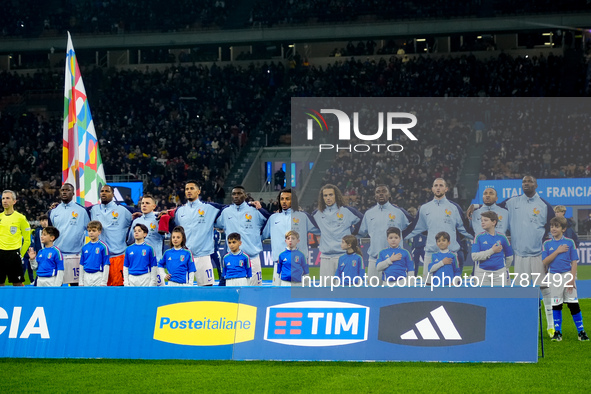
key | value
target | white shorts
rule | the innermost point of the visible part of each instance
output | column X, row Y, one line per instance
column 328, row 266
column 93, row 280
column 257, row 274
column 175, row 284
column 528, row 265
column 71, row 268
column 237, row 282
column 500, row 277
column 559, row 292
column 144, row 280
column 47, row 282
column 204, row 272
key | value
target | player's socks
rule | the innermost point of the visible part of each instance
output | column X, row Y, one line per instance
column 578, row 319
column 557, row 320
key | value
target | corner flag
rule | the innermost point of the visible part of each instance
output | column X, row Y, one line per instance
column 81, row 162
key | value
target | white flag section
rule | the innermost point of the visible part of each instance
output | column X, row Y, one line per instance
column 82, row 166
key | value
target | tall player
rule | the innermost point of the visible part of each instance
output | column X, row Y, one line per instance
column 71, row 219
column 115, row 220
column 248, row 221
column 288, row 218
column 376, row 221
column 198, row 218
column 335, row 220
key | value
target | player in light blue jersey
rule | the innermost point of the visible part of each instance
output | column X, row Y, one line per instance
column 492, row 253
column 292, row 264
column 394, row 262
column 49, row 263
column 489, row 197
column 237, row 268
column 288, row 218
column 444, row 264
column 139, row 266
column 94, row 259
column 198, row 218
column 116, row 220
column 350, row 269
column 248, row 221
column 178, row 260
column 71, row 219
column 440, row 214
column 376, row 222
column 561, row 257
column 335, row 220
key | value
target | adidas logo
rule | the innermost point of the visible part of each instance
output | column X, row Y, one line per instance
column 551, row 249
column 432, row 323
column 485, row 243
column 427, row 331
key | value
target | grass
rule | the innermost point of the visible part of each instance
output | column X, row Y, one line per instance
column 569, row 358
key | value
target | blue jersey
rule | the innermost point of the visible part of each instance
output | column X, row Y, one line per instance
column 448, row 270
column 350, row 267
column 154, row 238
column 502, row 213
column 116, row 220
column 281, row 222
column 197, row 218
column 236, row 266
column 436, row 216
column 292, row 265
column 71, row 220
column 377, row 220
column 94, row 257
column 139, row 259
column 334, row 223
column 398, row 269
column 485, row 241
column 246, row 221
column 562, row 262
column 529, row 220
column 50, row 261
column 178, row 262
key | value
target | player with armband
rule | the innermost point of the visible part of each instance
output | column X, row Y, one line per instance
column 139, row 264
column 560, row 256
column 178, row 260
column 49, row 263
column 94, row 259
column 491, row 253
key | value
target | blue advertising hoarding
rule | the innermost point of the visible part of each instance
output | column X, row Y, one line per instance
column 557, row 191
column 265, row 323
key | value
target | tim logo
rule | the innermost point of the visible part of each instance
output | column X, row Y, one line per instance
column 317, row 323
column 432, row 323
column 345, row 124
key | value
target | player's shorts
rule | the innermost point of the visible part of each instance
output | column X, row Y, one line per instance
column 47, row 281
column 372, row 271
column 177, row 284
column 116, row 270
column 528, row 265
column 11, row 266
column 143, row 280
column 328, row 267
column 94, row 279
column 71, row 268
column 286, row 283
column 257, row 273
column 237, row 282
column 499, row 277
column 204, row 272
column 558, row 290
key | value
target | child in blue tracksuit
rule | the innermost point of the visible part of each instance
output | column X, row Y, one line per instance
column 178, row 260
column 350, row 265
column 291, row 264
column 444, row 264
column 395, row 262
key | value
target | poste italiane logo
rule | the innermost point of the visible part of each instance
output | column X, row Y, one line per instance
column 205, row 323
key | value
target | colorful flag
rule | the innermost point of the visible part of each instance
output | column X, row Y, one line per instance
column 81, row 164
